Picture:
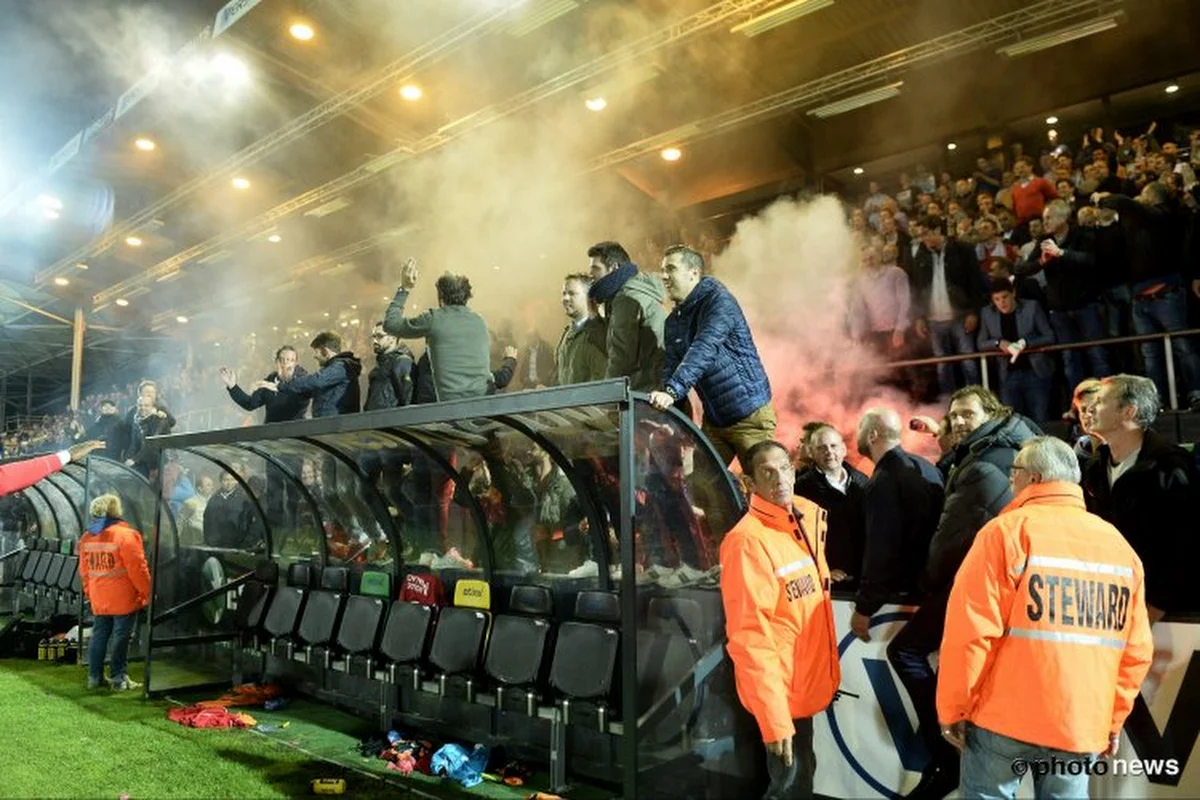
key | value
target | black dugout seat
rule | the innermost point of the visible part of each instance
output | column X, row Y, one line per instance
column 404, row 639
column 516, row 654
column 585, row 654
column 359, row 633
column 458, row 644
column 671, row 653
column 67, row 579
column 286, row 609
column 322, row 612
column 255, row 598
column 43, row 565
column 34, row 558
column 49, row 583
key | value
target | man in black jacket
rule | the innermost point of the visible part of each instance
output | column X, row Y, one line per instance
column 281, row 407
column 947, row 294
column 228, row 516
column 840, row 489
column 1159, row 279
column 334, row 387
column 104, row 428
column 902, row 501
column 1067, row 256
column 147, row 421
column 989, row 435
column 390, row 382
column 1146, row 487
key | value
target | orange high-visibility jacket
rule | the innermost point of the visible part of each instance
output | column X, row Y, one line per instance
column 1047, row 639
column 778, row 614
column 113, row 570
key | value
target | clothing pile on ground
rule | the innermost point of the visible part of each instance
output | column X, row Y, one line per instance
column 209, row 716
column 467, row 766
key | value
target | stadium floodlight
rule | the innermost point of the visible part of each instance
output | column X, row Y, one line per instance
column 857, row 101
column 1045, row 41
column 779, row 16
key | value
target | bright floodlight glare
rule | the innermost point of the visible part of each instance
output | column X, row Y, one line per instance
column 410, row 91
column 81, row 265
column 951, row 146
column 50, row 213
column 61, row 282
column 1051, row 120
column 301, row 31
column 672, row 154
column 144, row 144
column 858, row 170
column 133, row 241
column 122, row 302
column 596, row 104
column 49, row 201
column 241, row 184
column 1172, row 88
column 231, row 69
column 181, row 319
column 274, row 238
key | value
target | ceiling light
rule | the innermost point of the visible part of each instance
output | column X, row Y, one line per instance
column 50, row 213
column 1045, row 41
column 326, row 313
column 411, row 91
column 672, row 154
column 299, row 322
column 1051, row 120
column 1052, row 134
column 779, row 16
column 596, row 104
column 1172, row 88
column 144, row 144
column 81, row 265
column 241, row 184
column 49, row 201
column 302, row 31
column 274, row 238
column 951, row 146
column 133, row 241
column 61, row 282
column 858, row 170
column 232, row 69
column 181, row 319
column 857, row 101
column 122, row 302
column 354, row 306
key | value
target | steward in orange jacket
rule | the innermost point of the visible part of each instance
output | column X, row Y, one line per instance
column 112, row 568
column 1047, row 639
column 779, row 616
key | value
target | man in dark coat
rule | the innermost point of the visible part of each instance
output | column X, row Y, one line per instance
column 281, row 406
column 228, row 517
column 709, row 347
column 104, row 428
column 147, row 421
column 1145, row 486
column 989, row 435
column 947, row 293
column 390, row 382
column 334, row 387
column 840, row 489
column 902, row 502
column 634, row 314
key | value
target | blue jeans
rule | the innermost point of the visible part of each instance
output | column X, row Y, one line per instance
column 1026, row 393
column 119, row 629
column 1081, row 325
column 951, row 339
column 994, row 765
column 1163, row 314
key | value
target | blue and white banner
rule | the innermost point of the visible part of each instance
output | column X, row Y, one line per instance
column 231, row 13
column 867, row 743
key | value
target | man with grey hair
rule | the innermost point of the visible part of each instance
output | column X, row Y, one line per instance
column 902, row 502
column 1146, row 487
column 1027, row 673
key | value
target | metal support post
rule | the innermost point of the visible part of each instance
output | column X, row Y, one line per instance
column 1172, row 392
column 77, row 357
column 983, row 372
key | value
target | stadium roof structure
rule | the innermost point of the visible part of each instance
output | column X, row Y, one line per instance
column 244, row 153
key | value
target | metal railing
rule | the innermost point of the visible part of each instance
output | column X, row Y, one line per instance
column 1172, row 388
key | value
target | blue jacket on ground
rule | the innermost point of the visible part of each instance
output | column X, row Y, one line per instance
column 709, row 347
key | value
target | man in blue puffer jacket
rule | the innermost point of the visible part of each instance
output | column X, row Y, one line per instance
column 709, row 347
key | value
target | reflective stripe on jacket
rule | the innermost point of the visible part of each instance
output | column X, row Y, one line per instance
column 778, row 614
column 113, row 570
column 1047, row 639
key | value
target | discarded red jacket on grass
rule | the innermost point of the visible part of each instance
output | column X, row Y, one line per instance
column 205, row 716
column 247, row 694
